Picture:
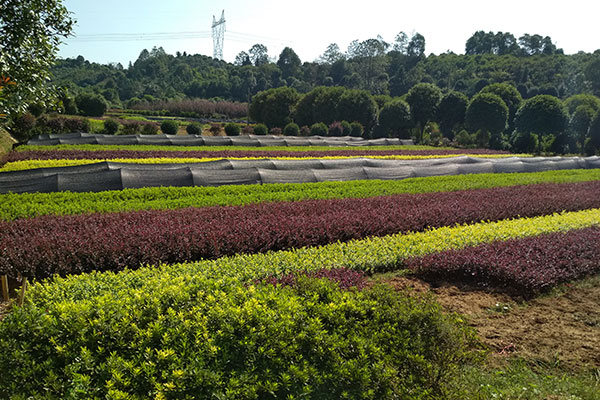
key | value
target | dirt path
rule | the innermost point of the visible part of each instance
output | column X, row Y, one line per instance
column 561, row 328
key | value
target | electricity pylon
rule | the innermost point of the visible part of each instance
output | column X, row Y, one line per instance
column 218, row 35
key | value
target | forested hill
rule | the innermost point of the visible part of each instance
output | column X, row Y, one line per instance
column 532, row 64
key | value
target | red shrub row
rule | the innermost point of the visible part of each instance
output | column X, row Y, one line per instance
column 52, row 154
column 54, row 244
column 523, row 266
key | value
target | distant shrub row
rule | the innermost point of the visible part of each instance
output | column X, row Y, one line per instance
column 190, row 108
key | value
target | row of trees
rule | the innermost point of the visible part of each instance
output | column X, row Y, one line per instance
column 531, row 63
column 497, row 116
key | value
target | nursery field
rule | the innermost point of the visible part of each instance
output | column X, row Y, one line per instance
column 478, row 284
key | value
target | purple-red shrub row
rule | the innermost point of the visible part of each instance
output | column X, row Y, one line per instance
column 54, row 244
column 52, row 154
column 523, row 266
column 344, row 277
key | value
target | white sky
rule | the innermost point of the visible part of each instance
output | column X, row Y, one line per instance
column 309, row 26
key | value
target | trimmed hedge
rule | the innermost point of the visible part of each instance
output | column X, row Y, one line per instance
column 198, row 338
column 26, row 205
column 47, row 245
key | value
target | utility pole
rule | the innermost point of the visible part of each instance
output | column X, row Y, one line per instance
column 218, row 36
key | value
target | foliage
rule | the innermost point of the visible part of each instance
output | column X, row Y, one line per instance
column 215, row 129
column 488, row 113
column 335, row 129
column 357, row 129
column 541, row 115
column 47, row 245
column 91, row 105
column 594, row 133
column 423, row 100
column 232, row 129
column 346, row 128
column 451, row 112
column 509, row 95
column 526, row 266
column 275, row 131
column 111, row 127
column 260, row 129
column 358, row 105
column 169, row 127
column 291, row 129
column 149, row 128
column 273, row 107
column 22, row 126
column 395, row 119
column 524, row 142
column 318, row 129
column 31, row 33
column 580, row 122
column 345, row 278
column 573, row 102
column 194, row 108
column 27, row 205
column 194, row 128
column 311, row 340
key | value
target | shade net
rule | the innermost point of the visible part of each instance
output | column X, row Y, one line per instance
column 116, row 176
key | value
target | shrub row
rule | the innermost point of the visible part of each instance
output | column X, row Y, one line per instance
column 198, row 338
column 52, row 154
column 73, row 244
column 26, row 205
column 527, row 265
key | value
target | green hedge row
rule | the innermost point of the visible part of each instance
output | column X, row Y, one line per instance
column 15, row 206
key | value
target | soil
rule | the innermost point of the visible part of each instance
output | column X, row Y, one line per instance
column 561, row 329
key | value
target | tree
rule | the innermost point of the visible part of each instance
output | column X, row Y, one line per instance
column 273, row 107
column 423, row 99
column 242, row 59
column 592, row 73
column 573, row 102
column 416, row 46
column 594, row 134
column 289, row 63
column 401, row 43
column 259, row 54
column 541, row 115
column 580, row 122
column 511, row 97
column 91, row 104
column 332, row 54
column 358, row 105
column 487, row 113
column 31, row 31
column 395, row 119
column 451, row 112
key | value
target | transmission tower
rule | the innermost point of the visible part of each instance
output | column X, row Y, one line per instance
column 218, row 35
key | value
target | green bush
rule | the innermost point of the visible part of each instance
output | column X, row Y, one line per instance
column 291, row 129
column 260, row 129
column 465, row 139
column 524, row 142
column 22, row 127
column 189, row 336
column 194, row 129
column 232, row 129
column 111, row 127
column 91, row 105
column 318, row 129
column 347, row 128
column 149, row 128
column 77, row 124
column 169, row 127
column 357, row 129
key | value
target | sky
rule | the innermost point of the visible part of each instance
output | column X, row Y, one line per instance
column 117, row 31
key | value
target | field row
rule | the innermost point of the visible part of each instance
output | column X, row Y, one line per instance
column 27, row 205
column 47, row 245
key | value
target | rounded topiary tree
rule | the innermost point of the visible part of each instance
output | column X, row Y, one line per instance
column 318, row 129
column 451, row 113
column 194, row 128
column 487, row 114
column 291, row 129
column 169, row 127
column 273, row 107
column 423, row 99
column 395, row 119
column 232, row 129
column 91, row 104
column 260, row 129
column 509, row 95
column 542, row 115
column 356, row 129
column 347, row 128
column 593, row 141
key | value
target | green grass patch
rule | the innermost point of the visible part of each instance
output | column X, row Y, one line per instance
column 26, row 205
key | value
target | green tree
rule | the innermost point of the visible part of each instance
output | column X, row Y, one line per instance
column 273, row 107
column 259, row 54
column 573, row 102
column 31, row 32
column 423, row 99
column 416, row 46
column 289, row 63
column 169, row 127
column 358, row 105
column 541, row 115
column 487, row 113
column 451, row 112
column 594, row 134
column 395, row 119
column 511, row 97
column 580, row 122
column 332, row 54
column 91, row 105
column 592, row 73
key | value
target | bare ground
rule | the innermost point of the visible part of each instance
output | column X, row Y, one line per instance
column 561, row 328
